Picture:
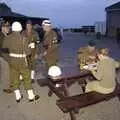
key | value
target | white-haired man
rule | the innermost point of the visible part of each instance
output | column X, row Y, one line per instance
column 18, row 50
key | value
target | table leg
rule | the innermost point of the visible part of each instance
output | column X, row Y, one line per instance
column 65, row 89
column 118, row 97
column 82, row 83
column 50, row 93
column 53, row 89
column 72, row 115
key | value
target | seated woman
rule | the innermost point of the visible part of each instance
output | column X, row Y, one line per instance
column 105, row 74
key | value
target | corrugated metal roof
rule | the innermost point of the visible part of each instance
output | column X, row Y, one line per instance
column 6, row 11
column 115, row 6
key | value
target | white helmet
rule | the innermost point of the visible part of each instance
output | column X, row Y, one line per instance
column 16, row 26
column 46, row 22
column 54, row 71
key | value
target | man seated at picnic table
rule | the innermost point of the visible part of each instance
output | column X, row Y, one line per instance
column 87, row 55
column 105, row 74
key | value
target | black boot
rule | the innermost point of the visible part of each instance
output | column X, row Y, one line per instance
column 33, row 81
column 8, row 90
column 18, row 101
column 36, row 98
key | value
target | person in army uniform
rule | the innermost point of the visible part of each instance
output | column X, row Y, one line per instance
column 49, row 44
column 105, row 74
column 18, row 50
column 32, row 37
column 5, row 31
column 87, row 55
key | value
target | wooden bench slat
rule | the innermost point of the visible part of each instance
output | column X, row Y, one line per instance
column 79, row 101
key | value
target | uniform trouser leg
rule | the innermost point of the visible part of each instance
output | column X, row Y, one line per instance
column 26, row 78
column 32, row 67
column 95, row 86
column 15, row 82
column 4, row 74
column 27, row 83
column 48, row 63
column 14, row 78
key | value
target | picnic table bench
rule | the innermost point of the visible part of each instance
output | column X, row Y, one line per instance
column 72, row 104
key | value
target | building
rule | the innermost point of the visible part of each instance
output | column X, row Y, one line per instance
column 88, row 28
column 6, row 14
column 112, row 19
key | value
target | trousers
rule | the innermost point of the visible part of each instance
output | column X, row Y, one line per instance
column 18, row 68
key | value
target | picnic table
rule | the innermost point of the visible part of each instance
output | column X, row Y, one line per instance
column 72, row 104
column 69, row 76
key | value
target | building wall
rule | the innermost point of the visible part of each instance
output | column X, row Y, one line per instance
column 112, row 22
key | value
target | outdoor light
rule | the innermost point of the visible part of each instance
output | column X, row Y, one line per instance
column 54, row 72
column 16, row 26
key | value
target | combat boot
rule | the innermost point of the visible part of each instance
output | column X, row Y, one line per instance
column 8, row 90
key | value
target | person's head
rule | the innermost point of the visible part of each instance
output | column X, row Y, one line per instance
column 46, row 24
column 91, row 45
column 103, row 53
column 29, row 25
column 5, row 28
column 16, row 26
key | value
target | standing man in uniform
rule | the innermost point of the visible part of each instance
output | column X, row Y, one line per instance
column 4, row 72
column 49, row 44
column 87, row 55
column 18, row 50
column 32, row 37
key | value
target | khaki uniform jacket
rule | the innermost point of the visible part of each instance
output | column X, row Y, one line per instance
column 31, row 38
column 106, row 72
column 50, row 45
column 16, row 44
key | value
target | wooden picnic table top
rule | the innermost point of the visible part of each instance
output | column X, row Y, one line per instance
column 70, row 73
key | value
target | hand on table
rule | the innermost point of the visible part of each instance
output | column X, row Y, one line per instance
column 90, row 67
